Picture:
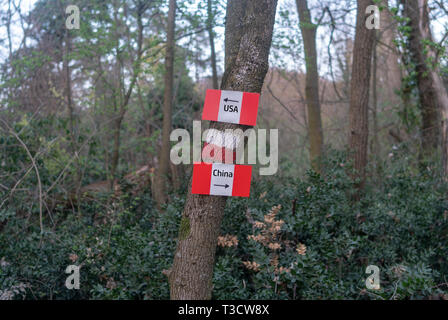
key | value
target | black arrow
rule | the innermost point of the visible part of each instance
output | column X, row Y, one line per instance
column 227, row 100
column 222, row 185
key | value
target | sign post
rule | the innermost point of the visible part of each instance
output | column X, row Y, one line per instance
column 225, row 179
column 220, row 179
column 231, row 107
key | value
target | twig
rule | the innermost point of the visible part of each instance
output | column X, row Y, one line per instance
column 36, row 170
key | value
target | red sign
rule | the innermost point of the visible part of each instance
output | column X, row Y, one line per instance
column 221, row 179
column 231, row 106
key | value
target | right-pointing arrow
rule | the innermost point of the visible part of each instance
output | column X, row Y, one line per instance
column 222, row 185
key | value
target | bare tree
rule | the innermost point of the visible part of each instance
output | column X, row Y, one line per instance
column 432, row 92
column 122, row 95
column 312, row 84
column 249, row 27
column 359, row 92
column 164, row 158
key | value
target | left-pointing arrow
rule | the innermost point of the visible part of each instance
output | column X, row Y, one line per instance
column 227, row 100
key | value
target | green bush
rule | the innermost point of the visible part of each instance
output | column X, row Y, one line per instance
column 297, row 239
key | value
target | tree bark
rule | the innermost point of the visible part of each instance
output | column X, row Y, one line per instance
column 249, row 27
column 388, row 57
column 359, row 92
column 8, row 28
column 417, row 12
column 164, row 158
column 115, row 150
column 121, row 100
column 375, row 141
column 432, row 92
column 70, row 109
column 315, row 133
column 212, row 44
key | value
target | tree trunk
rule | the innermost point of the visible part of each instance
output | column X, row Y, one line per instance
column 315, row 133
column 432, row 92
column 375, row 141
column 212, row 44
column 8, row 28
column 164, row 158
column 359, row 92
column 121, row 101
column 115, row 151
column 417, row 12
column 249, row 27
column 70, row 109
column 388, row 57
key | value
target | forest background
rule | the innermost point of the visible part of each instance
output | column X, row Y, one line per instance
column 83, row 181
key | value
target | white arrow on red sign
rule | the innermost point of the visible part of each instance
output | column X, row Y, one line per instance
column 221, row 179
column 231, row 106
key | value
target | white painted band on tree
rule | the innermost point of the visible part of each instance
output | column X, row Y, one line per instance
column 222, row 139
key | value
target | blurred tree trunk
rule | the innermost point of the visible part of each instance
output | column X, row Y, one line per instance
column 164, row 158
column 212, row 43
column 432, row 92
column 417, row 12
column 121, row 95
column 248, row 34
column 8, row 28
column 176, row 176
column 375, row 149
column 68, row 88
column 70, row 109
column 359, row 92
column 116, row 149
column 388, row 57
column 315, row 133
